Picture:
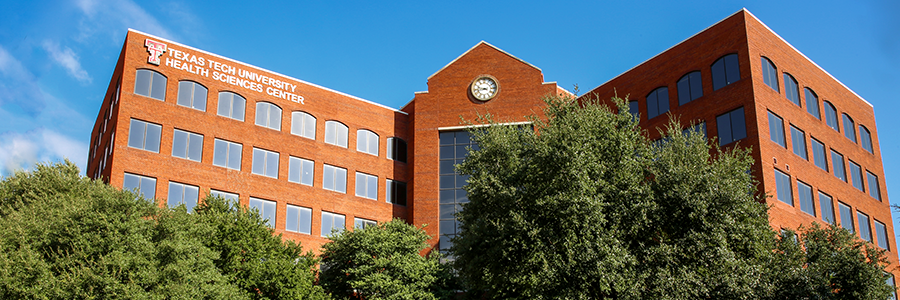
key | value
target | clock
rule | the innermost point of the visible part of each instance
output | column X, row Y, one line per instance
column 484, row 88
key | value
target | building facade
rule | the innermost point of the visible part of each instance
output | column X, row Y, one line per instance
column 178, row 123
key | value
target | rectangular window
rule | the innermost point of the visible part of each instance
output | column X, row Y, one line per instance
column 819, row 157
column 856, row 176
column 846, row 216
column 776, row 130
column 265, row 163
column 298, row 219
column 837, row 162
column 804, row 192
column 396, row 149
column 180, row 193
column 453, row 150
column 141, row 185
column 225, row 195
column 865, row 232
column 783, row 188
column 874, row 189
column 731, row 126
column 698, row 128
column 332, row 222
column 798, row 142
column 395, row 192
column 187, row 145
column 143, row 135
column 827, row 207
column 266, row 210
column 634, row 110
column 301, row 171
column 227, row 154
column 366, row 186
column 334, row 179
column 881, row 235
column 363, row 223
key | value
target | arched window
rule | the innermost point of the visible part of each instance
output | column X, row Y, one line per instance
column 150, row 83
column 192, row 94
column 657, row 102
column 268, row 115
column 865, row 138
column 336, row 133
column 770, row 74
column 303, row 124
column 812, row 103
column 725, row 71
column 231, row 105
column 791, row 90
column 396, row 149
column 831, row 116
column 849, row 128
column 367, row 142
column 690, row 87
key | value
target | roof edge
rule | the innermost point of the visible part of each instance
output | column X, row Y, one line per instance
column 476, row 46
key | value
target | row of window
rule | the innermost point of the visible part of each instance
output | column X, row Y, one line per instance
column 792, row 93
column 297, row 218
column 102, row 132
column 725, row 71
column 784, row 193
column 231, row 105
column 820, row 159
column 227, row 154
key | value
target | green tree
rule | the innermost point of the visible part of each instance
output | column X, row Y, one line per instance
column 585, row 207
column 381, row 262
column 828, row 263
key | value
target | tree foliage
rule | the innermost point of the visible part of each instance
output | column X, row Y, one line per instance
column 381, row 262
column 66, row 236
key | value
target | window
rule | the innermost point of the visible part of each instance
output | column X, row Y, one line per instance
column 804, row 192
column 395, row 192
column 265, row 163
column 366, row 186
column 151, row 84
column 831, row 116
column 837, row 162
column 301, row 171
column 690, row 87
column 890, row 282
column 856, row 177
column 731, row 126
column 874, row 189
column 180, row 193
column 819, row 158
column 367, row 142
column 846, row 216
column 303, row 124
column 141, row 185
column 192, row 94
column 224, row 195
column 725, row 71
column 865, row 138
column 396, row 149
column 770, row 74
column 812, row 103
column 363, row 223
column 231, row 105
column 827, row 206
column 657, row 102
column 336, row 133
column 452, row 196
column 143, row 135
column 227, row 154
column 881, row 235
column 798, row 142
column 783, row 188
column 266, row 210
column 634, row 110
column 334, row 179
column 187, row 145
column 332, row 222
column 849, row 128
column 776, row 130
column 268, row 115
column 698, row 128
column 865, row 232
column 791, row 90
column 298, row 219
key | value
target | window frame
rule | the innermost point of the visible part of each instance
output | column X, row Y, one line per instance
column 865, row 229
column 770, row 74
column 271, row 111
column 849, row 127
column 229, row 150
column 842, row 172
column 225, row 195
column 690, row 87
column 331, row 133
column 831, row 117
column 334, row 171
column 367, row 141
column 139, row 189
column 360, row 223
column 397, row 149
column 726, row 65
column 776, row 130
column 152, row 88
column 231, row 114
column 304, row 129
column 865, row 139
column 806, row 199
column 266, row 162
column 881, row 235
column 658, row 104
column 791, row 89
column 856, row 176
column 784, row 188
column 190, row 143
column 392, row 192
column 193, row 97
column 264, row 209
column 817, row 145
column 181, row 199
column 798, row 142
column 828, row 215
column 144, row 133
column 874, row 185
column 303, row 168
column 730, row 116
column 846, row 220
column 302, row 223
column 812, row 108
column 365, row 181
column 333, row 217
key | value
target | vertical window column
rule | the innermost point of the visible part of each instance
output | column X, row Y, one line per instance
column 452, row 196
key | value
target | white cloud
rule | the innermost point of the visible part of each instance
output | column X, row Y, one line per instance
column 21, row 151
column 68, row 59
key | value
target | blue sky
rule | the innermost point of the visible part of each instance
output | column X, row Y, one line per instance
column 56, row 57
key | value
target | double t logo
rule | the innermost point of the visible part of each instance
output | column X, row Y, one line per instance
column 156, row 50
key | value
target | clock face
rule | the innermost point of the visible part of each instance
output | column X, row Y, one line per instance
column 484, row 88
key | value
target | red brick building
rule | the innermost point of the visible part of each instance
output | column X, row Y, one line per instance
column 178, row 123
